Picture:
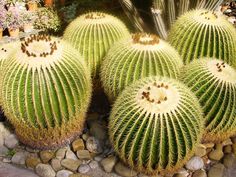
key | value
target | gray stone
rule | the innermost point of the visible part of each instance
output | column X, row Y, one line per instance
column 98, row 158
column 229, row 160
column 71, row 164
column 195, row 163
column 70, row 155
column 3, row 151
column 84, row 168
column 64, row 173
column 4, row 131
column 19, row 158
column 11, row 141
column 199, row 173
column 98, row 130
column 83, row 154
column 56, row 164
column 109, row 163
column 93, row 145
column 182, row 173
column 216, row 171
column 93, row 164
column 124, row 170
column 60, row 154
column 44, row 170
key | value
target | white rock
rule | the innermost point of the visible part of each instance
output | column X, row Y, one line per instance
column 44, row 170
column 93, row 164
column 64, row 173
column 109, row 163
column 19, row 158
column 11, row 141
column 60, row 154
column 182, row 172
column 3, row 130
column 6, row 160
column 70, row 155
column 195, row 163
column 98, row 158
column 56, row 164
column 84, row 168
column 93, row 145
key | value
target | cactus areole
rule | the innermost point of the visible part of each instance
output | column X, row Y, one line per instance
column 202, row 33
column 46, row 92
column 92, row 34
column 214, row 83
column 155, row 125
column 136, row 57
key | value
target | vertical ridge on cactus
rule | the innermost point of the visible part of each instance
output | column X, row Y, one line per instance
column 202, row 33
column 46, row 92
column 93, row 34
column 136, row 57
column 155, row 125
column 214, row 83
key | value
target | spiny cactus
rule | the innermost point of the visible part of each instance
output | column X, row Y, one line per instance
column 214, row 83
column 202, row 33
column 46, row 92
column 155, row 125
column 93, row 34
column 136, row 57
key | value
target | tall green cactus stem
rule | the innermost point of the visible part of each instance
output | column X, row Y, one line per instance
column 214, row 83
column 202, row 33
column 46, row 92
column 93, row 34
column 136, row 57
column 155, row 125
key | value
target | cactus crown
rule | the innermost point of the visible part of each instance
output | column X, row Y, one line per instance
column 95, row 16
column 158, row 97
column 214, row 83
column 40, row 49
column 145, row 39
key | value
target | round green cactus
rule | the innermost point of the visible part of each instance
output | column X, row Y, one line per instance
column 155, row 125
column 93, row 34
column 46, row 92
column 214, row 83
column 136, row 57
column 202, row 33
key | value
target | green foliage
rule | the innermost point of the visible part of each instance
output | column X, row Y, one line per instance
column 46, row 91
column 155, row 125
column 11, row 152
column 202, row 33
column 214, row 83
column 136, row 57
column 93, row 34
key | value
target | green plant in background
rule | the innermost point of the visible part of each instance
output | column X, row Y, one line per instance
column 202, row 33
column 214, row 83
column 136, row 57
column 47, row 20
column 46, row 92
column 93, row 34
column 155, row 125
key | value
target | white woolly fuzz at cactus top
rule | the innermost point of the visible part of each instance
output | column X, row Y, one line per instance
column 138, row 56
column 46, row 92
column 155, row 125
column 214, row 83
column 93, row 34
column 203, row 33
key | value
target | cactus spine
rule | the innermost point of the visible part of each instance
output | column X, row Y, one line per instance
column 46, row 92
column 214, row 83
column 136, row 57
column 93, row 34
column 202, row 33
column 155, row 125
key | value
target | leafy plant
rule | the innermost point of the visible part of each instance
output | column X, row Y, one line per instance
column 47, row 20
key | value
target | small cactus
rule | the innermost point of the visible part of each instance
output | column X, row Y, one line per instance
column 46, row 92
column 202, row 33
column 136, row 57
column 93, row 34
column 214, row 83
column 155, row 125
